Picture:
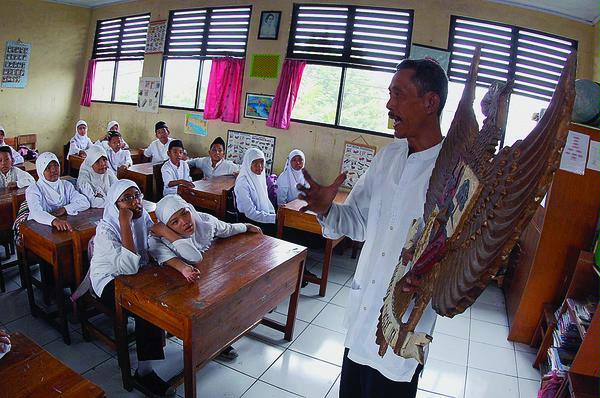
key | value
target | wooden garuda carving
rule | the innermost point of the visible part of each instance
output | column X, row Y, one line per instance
column 477, row 204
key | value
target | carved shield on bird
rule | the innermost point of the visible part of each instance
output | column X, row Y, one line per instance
column 477, row 203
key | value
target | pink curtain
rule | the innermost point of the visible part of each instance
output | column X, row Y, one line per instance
column 224, row 90
column 86, row 97
column 285, row 96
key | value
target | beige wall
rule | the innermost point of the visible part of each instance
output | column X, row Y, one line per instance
column 596, row 69
column 49, row 104
column 323, row 146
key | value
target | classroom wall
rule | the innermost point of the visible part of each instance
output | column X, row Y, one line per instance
column 596, row 56
column 323, row 146
column 49, row 104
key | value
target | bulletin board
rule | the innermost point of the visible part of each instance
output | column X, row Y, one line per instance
column 356, row 161
column 16, row 64
column 238, row 142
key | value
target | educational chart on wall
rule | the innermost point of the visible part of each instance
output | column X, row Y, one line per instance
column 155, row 39
column 16, row 64
column 356, row 161
column 148, row 94
column 238, row 142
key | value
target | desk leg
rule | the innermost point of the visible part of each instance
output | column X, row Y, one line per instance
column 326, row 263
column 26, row 272
column 293, row 306
column 122, row 348
column 222, row 210
column 189, row 369
column 59, row 296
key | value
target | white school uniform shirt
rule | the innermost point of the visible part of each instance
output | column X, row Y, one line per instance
column 170, row 172
column 91, row 184
column 23, row 178
column 379, row 211
column 289, row 179
column 223, row 168
column 157, row 151
column 116, row 159
column 79, row 142
column 246, row 199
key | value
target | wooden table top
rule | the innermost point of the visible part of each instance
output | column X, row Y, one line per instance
column 6, row 194
column 215, row 185
column 142, row 168
column 81, row 222
column 75, row 161
column 30, row 371
column 28, row 166
column 297, row 204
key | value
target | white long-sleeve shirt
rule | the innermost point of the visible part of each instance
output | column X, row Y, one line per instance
column 22, row 178
column 223, row 168
column 117, row 159
column 94, row 191
column 157, row 151
column 75, row 146
column 379, row 211
column 246, row 199
column 40, row 209
column 170, row 172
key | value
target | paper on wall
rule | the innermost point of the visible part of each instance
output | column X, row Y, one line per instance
column 575, row 153
column 148, row 94
column 593, row 162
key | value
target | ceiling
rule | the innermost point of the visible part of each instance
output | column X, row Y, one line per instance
column 89, row 3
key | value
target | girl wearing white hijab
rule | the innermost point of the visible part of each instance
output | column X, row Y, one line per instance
column 17, row 158
column 50, row 197
column 95, row 177
column 291, row 177
column 113, row 125
column 80, row 142
column 121, row 248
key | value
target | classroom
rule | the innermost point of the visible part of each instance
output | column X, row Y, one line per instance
column 275, row 198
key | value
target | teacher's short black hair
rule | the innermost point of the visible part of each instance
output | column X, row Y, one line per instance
column 429, row 76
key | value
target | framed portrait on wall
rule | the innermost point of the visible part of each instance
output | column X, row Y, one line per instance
column 269, row 25
column 258, row 106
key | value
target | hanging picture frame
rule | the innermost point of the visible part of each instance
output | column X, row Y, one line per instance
column 356, row 160
column 438, row 55
column 258, row 106
column 269, row 25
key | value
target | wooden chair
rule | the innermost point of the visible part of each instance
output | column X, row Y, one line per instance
column 160, row 185
column 29, row 140
column 11, row 141
column 66, row 170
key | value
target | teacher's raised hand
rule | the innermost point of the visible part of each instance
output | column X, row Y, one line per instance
column 319, row 198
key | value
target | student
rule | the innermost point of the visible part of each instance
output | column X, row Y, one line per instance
column 50, row 197
column 175, row 171
column 215, row 164
column 121, row 248
column 291, row 177
column 157, row 150
column 11, row 176
column 79, row 144
column 95, row 177
column 17, row 157
column 113, row 125
column 251, row 191
column 118, row 158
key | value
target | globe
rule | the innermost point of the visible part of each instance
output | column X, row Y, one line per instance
column 586, row 108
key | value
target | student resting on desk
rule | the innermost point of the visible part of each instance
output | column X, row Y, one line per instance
column 11, row 176
column 157, row 150
column 121, row 248
column 175, row 171
column 214, row 164
column 118, row 158
column 181, row 236
column 50, row 197
column 95, row 177
column 80, row 143
column 251, row 194
column 113, row 125
column 17, row 158
column 290, row 178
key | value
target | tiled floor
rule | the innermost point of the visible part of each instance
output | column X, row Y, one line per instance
column 469, row 357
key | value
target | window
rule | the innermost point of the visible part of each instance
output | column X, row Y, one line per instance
column 533, row 59
column 119, row 51
column 351, row 54
column 194, row 37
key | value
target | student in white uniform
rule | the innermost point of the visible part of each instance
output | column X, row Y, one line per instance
column 251, row 194
column 50, row 197
column 157, row 150
column 175, row 171
column 95, row 177
column 121, row 248
column 291, row 177
column 10, row 176
column 379, row 211
column 113, row 125
column 118, row 158
column 80, row 143
column 215, row 165
column 17, row 158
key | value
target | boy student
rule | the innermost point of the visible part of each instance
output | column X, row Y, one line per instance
column 118, row 158
column 17, row 158
column 11, row 176
column 175, row 171
column 80, row 141
column 214, row 164
column 157, row 150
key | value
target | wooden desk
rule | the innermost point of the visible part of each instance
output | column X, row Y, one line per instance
column 142, row 174
column 75, row 162
column 209, row 194
column 290, row 216
column 29, row 167
column 241, row 279
column 30, row 371
column 137, row 155
column 6, row 207
column 151, row 209
column 56, row 249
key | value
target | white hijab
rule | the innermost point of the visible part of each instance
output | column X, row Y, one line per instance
column 259, row 182
column 53, row 191
column 82, row 140
column 100, row 182
column 111, row 124
column 293, row 177
column 3, row 130
column 139, row 226
column 204, row 231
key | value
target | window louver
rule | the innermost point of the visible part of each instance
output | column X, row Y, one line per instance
column 121, row 38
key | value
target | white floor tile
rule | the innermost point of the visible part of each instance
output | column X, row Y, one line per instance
column 312, row 290
column 427, row 394
column 528, row 388
column 263, row 390
column 320, row 343
column 490, row 333
column 108, row 377
column 345, row 260
column 273, row 336
column 334, row 392
column 80, row 355
column 337, row 275
column 216, row 380
column 341, row 297
column 332, row 317
column 525, row 348
column 492, row 295
column 489, row 313
column 302, row 375
column 34, row 328
column 254, row 356
column 492, row 358
column 525, row 367
column 449, row 348
column 13, row 305
column 307, row 310
column 458, row 326
column 443, row 378
column 466, row 313
column 490, row 385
